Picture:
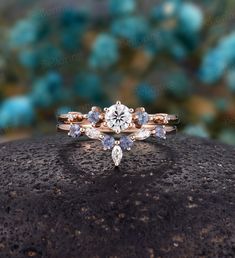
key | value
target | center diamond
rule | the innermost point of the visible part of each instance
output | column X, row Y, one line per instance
column 118, row 117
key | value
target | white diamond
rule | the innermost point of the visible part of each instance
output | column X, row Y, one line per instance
column 118, row 117
column 117, row 155
column 93, row 133
column 142, row 134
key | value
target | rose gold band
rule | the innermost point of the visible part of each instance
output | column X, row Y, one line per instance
column 159, row 118
column 105, row 129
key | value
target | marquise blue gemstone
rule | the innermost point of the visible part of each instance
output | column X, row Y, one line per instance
column 142, row 117
column 93, row 117
column 108, row 142
column 126, row 142
column 75, row 131
column 160, row 132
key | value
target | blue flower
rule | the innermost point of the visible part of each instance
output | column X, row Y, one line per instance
column 29, row 58
column 47, row 90
column 104, row 52
column 27, row 31
column 230, row 78
column 190, row 18
column 146, row 93
column 135, row 29
column 178, row 85
column 120, row 7
column 167, row 9
column 16, row 112
column 196, row 130
column 217, row 60
column 23, row 33
column 88, row 86
column 74, row 24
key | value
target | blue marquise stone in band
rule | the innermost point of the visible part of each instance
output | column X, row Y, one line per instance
column 126, row 142
column 75, row 131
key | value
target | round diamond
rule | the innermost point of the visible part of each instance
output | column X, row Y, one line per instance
column 93, row 117
column 75, row 131
column 126, row 142
column 118, row 117
column 142, row 117
column 108, row 142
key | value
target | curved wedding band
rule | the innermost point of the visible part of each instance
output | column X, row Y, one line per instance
column 130, row 125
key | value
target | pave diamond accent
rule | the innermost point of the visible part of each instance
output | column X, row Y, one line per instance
column 117, row 155
column 118, row 117
column 142, row 134
column 93, row 133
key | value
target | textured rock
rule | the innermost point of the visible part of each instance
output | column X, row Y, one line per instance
column 59, row 198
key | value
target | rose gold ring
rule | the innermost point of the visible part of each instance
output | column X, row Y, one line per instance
column 129, row 125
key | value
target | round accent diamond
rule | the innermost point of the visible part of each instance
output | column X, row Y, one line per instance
column 75, row 131
column 93, row 117
column 118, row 117
column 108, row 142
column 142, row 117
column 160, row 132
column 126, row 143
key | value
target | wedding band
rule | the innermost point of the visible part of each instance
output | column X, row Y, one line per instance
column 129, row 125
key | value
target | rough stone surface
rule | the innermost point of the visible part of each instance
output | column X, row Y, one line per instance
column 59, row 198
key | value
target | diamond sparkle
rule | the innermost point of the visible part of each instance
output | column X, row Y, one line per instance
column 118, row 117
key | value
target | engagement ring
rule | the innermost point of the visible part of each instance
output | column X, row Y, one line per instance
column 117, row 127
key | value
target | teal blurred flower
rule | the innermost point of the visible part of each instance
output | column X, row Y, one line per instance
column 227, row 136
column 178, row 85
column 73, row 18
column 29, row 58
column 190, row 18
column 196, row 130
column 134, row 29
column 63, row 110
column 146, row 93
column 88, row 86
column 74, row 24
column 47, row 90
column 16, row 112
column 121, row 7
column 27, row 31
column 104, row 52
column 230, row 79
column 165, row 10
column 49, row 55
column 217, row 60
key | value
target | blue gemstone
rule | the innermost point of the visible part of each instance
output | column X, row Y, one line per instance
column 93, row 117
column 126, row 142
column 160, row 132
column 108, row 142
column 75, row 131
column 142, row 117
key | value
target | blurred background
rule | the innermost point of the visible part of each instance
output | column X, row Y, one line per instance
column 170, row 56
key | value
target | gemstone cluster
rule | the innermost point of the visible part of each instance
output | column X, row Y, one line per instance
column 118, row 118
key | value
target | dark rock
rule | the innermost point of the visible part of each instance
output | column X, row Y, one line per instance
column 61, row 198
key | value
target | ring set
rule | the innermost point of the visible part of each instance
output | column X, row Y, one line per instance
column 127, row 124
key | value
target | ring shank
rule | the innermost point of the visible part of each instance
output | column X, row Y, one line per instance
column 105, row 129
